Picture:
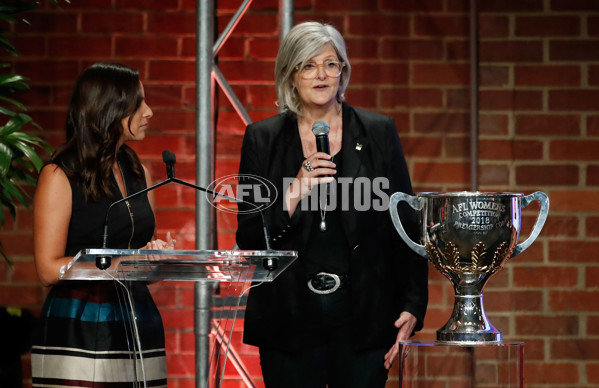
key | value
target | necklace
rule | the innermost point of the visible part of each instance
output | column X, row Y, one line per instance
column 323, row 208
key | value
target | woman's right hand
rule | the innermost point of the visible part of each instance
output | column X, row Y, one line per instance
column 315, row 170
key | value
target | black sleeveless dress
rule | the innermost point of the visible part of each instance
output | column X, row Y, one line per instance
column 86, row 336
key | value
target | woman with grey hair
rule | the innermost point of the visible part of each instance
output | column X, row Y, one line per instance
column 335, row 316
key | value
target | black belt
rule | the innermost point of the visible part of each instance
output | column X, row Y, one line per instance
column 326, row 283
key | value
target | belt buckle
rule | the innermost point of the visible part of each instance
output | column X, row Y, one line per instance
column 335, row 277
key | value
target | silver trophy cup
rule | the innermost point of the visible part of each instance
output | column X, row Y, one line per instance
column 469, row 236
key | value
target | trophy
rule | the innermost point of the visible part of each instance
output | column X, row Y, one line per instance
column 468, row 236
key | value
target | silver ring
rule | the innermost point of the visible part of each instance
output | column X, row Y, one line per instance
column 308, row 166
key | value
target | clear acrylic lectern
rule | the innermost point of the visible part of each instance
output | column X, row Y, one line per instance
column 206, row 267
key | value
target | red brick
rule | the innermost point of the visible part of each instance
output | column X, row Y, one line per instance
column 575, row 349
column 412, row 5
column 457, row 50
column 540, row 175
column 406, row 49
column 364, row 97
column 228, row 145
column 493, row 26
column 24, row 271
column 490, row 175
column 180, row 365
column 511, row 6
column 552, row 325
column 29, row 45
column 20, row 296
column 379, row 73
column 510, row 100
column 163, row 95
column 552, row 373
column 592, row 277
column 547, row 26
column 441, row 172
column 162, row 70
column 411, row 98
column 171, row 23
column 592, row 325
column 445, row 26
column 262, row 48
column 146, row 46
column 593, row 75
column 155, row 5
column 574, row 5
column 547, row 75
column 574, row 50
column 456, row 147
column 253, row 23
column 240, row 72
column 48, row 23
column 337, row 5
column 573, row 149
column 231, row 123
column 593, row 125
column 574, row 99
column 379, row 25
column 493, row 76
column 510, row 51
column 527, row 124
column 82, row 5
column 441, row 123
column 421, row 146
column 544, row 276
column 573, row 251
column 561, row 226
column 502, row 300
column 592, row 369
column 493, row 124
column 440, row 74
column 592, row 226
column 78, row 47
column 510, row 149
column 575, row 200
column 593, row 25
column 113, row 22
column 172, row 121
column 49, row 70
column 262, row 96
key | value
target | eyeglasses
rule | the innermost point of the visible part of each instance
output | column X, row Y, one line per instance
column 331, row 69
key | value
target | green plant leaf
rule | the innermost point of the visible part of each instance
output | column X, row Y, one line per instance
column 14, row 102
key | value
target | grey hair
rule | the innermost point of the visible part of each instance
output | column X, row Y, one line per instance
column 303, row 42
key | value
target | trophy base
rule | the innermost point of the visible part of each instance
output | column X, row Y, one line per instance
column 484, row 338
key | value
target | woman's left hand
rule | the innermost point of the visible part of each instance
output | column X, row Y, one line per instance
column 161, row 245
column 405, row 324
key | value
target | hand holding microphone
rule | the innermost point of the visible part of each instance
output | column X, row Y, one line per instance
column 316, row 169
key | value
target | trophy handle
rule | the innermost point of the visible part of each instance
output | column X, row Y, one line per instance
column 415, row 203
column 544, row 200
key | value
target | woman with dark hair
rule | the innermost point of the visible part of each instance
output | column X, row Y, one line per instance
column 86, row 335
column 335, row 316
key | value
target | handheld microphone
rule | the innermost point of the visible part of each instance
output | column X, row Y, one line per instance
column 169, row 159
column 321, row 129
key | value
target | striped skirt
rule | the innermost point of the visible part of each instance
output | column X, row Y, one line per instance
column 86, row 337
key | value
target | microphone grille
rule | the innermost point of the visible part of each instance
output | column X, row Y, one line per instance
column 168, row 157
column 320, row 128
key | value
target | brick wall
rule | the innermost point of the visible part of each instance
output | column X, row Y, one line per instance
column 539, row 130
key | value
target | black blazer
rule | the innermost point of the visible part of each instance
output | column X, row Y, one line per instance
column 386, row 276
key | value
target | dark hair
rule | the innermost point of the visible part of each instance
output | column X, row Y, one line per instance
column 104, row 94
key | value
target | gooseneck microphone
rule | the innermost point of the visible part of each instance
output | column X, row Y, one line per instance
column 169, row 159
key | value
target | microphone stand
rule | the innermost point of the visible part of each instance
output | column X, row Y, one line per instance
column 104, row 262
